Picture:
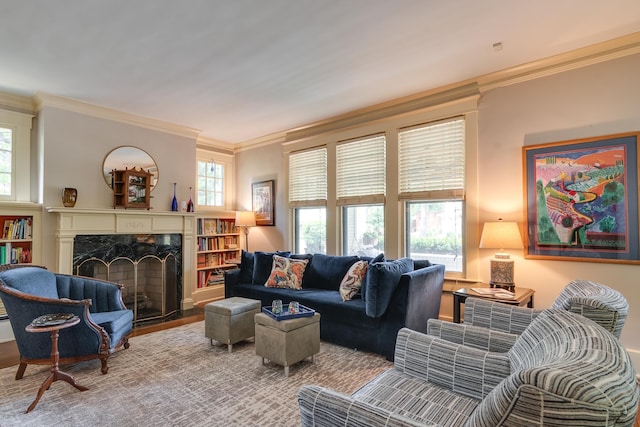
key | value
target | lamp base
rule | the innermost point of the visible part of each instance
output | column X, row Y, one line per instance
column 502, row 273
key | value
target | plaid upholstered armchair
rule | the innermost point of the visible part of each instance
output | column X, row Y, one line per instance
column 494, row 326
column 105, row 323
column 562, row 370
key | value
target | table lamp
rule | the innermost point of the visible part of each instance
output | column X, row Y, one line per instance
column 501, row 235
column 244, row 220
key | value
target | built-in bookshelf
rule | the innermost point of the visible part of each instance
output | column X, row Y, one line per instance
column 218, row 250
column 19, row 236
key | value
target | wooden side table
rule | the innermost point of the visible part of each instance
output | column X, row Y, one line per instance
column 523, row 296
column 56, row 374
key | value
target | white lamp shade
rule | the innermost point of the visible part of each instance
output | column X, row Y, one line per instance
column 501, row 235
column 245, row 219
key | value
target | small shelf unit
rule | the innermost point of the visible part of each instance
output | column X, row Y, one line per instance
column 218, row 249
column 131, row 188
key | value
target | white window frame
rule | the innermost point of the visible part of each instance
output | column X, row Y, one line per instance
column 228, row 185
column 20, row 124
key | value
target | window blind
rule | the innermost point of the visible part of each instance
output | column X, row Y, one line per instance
column 431, row 161
column 308, row 178
column 360, row 169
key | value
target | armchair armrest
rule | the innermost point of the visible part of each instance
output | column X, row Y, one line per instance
column 450, row 365
column 322, row 407
column 498, row 316
column 472, row 336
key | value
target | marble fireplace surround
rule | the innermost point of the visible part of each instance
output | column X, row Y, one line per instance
column 71, row 222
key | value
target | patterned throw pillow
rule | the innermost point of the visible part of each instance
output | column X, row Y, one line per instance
column 352, row 281
column 286, row 273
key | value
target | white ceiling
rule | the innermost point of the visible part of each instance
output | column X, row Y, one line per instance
column 242, row 69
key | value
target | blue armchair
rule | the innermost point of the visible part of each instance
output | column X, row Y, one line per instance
column 105, row 323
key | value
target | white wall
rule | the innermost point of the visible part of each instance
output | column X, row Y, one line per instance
column 74, row 147
column 596, row 100
column 263, row 164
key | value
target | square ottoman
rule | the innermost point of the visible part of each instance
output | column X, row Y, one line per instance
column 286, row 342
column 230, row 320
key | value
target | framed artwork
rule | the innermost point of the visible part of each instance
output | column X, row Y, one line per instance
column 263, row 199
column 581, row 199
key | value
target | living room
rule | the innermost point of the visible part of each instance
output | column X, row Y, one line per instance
column 586, row 93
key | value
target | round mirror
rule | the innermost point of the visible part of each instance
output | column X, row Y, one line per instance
column 128, row 158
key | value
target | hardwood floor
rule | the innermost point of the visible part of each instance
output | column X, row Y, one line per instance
column 9, row 355
column 9, row 351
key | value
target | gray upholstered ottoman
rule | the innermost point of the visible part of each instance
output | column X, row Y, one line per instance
column 230, row 320
column 286, row 342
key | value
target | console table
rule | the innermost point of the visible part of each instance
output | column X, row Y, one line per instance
column 56, row 374
column 523, row 297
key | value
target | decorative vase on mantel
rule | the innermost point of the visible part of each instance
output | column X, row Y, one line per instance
column 174, row 202
column 190, row 202
column 69, row 197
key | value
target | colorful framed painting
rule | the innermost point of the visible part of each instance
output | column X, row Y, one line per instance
column 581, row 199
column 263, row 199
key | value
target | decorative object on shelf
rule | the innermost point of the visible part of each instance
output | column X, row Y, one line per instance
column 125, row 157
column 244, row 220
column 131, row 188
column 190, row 202
column 69, row 197
column 581, row 199
column 174, row 202
column 263, row 198
column 501, row 235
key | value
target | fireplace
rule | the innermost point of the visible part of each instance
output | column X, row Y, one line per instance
column 148, row 265
column 151, row 253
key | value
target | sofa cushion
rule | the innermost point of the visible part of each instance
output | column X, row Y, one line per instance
column 352, row 281
column 32, row 280
column 327, row 271
column 381, row 281
column 286, row 273
column 421, row 263
column 246, row 267
column 263, row 261
column 370, row 260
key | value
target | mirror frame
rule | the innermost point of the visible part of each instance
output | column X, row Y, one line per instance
column 129, row 157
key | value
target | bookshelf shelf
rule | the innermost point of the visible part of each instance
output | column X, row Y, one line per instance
column 218, row 245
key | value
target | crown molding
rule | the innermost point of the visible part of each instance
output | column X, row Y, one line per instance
column 579, row 58
column 274, row 138
column 42, row 100
column 205, row 143
column 22, row 104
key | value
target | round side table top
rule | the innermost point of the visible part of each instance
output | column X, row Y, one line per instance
column 31, row 327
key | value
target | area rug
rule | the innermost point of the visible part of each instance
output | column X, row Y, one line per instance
column 175, row 377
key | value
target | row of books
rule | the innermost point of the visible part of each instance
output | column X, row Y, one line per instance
column 210, row 278
column 19, row 228
column 216, row 259
column 210, row 226
column 217, row 243
column 14, row 255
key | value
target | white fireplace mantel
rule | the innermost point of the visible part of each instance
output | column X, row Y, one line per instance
column 71, row 222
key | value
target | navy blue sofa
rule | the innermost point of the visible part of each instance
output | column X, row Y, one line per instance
column 395, row 294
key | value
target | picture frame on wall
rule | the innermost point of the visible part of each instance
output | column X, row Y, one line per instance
column 263, row 201
column 581, row 199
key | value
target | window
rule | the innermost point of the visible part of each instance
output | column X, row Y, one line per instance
column 431, row 176
column 15, row 157
column 308, row 199
column 360, row 188
column 210, row 183
column 6, row 161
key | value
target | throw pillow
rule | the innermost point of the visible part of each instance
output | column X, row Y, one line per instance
column 377, row 258
column 352, row 281
column 421, row 263
column 262, row 265
column 381, row 282
column 286, row 273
